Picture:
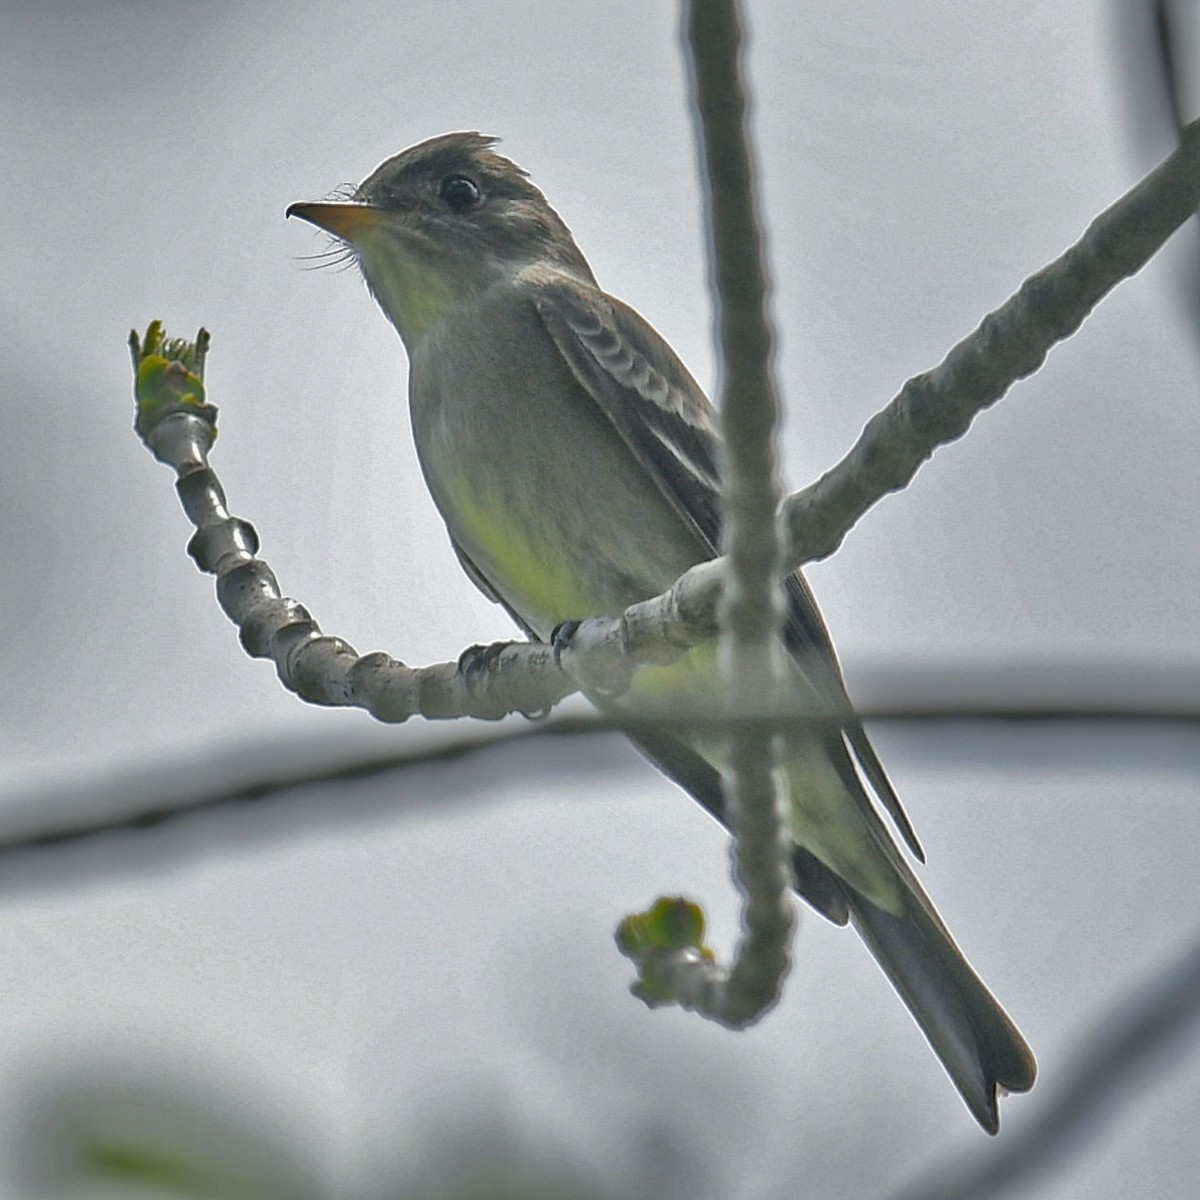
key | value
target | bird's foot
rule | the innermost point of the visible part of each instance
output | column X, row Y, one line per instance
column 475, row 662
column 478, row 665
column 560, row 639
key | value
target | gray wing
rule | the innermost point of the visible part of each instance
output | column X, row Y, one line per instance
column 666, row 420
column 662, row 414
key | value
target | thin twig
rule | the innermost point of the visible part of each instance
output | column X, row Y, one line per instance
column 480, row 741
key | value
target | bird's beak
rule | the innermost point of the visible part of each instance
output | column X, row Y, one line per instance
column 344, row 220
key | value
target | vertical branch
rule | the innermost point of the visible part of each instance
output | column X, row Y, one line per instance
column 751, row 613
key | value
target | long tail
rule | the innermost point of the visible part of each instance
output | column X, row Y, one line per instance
column 970, row 1033
column 978, row 1044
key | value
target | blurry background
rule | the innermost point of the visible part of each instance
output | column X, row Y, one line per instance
column 384, row 983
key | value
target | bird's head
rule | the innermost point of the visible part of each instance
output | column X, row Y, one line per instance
column 441, row 222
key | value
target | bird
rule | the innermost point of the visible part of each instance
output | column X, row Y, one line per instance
column 574, row 461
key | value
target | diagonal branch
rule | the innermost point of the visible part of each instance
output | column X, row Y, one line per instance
column 1011, row 343
column 938, row 406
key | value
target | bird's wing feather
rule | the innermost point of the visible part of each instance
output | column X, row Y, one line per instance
column 664, row 417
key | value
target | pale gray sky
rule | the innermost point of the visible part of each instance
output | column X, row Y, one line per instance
column 383, row 974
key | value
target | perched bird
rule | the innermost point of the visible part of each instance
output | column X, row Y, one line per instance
column 573, row 459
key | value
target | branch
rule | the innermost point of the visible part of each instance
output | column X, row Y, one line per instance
column 604, row 652
column 675, row 966
column 1010, row 344
column 1167, row 45
column 175, row 795
column 179, row 428
column 938, row 406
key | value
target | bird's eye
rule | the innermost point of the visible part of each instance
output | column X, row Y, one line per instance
column 459, row 192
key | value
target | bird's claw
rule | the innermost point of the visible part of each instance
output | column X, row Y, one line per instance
column 560, row 639
column 476, row 661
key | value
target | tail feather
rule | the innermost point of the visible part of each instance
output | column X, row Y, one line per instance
column 977, row 1043
column 980, row 1048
